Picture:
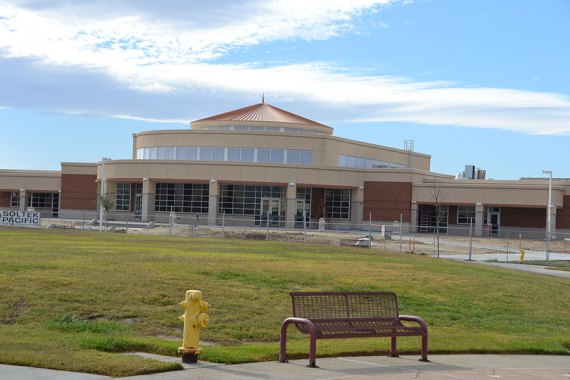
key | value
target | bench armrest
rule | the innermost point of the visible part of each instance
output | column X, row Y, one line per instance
column 411, row 318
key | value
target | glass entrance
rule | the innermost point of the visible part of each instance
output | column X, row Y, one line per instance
column 270, row 210
column 303, row 213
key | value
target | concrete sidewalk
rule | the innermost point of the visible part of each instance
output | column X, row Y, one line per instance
column 350, row 368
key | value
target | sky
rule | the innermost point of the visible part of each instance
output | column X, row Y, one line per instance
column 479, row 82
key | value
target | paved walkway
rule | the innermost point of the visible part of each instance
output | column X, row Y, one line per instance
column 446, row 367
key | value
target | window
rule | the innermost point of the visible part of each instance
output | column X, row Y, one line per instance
column 263, row 155
column 337, row 203
column 246, row 200
column 230, row 154
column 465, row 214
column 277, row 156
column 293, row 157
column 181, row 197
column 43, row 200
column 218, row 154
column 123, row 197
column 247, row 154
column 234, row 154
column 14, row 199
column 365, row 163
column 205, row 154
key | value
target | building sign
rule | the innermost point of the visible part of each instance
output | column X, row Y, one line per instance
column 14, row 218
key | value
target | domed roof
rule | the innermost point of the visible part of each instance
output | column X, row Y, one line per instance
column 261, row 114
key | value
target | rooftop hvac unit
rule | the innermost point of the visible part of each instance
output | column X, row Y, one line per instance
column 470, row 171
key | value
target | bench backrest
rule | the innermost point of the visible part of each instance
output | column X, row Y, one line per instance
column 344, row 305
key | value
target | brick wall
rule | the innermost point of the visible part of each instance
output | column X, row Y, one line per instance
column 563, row 217
column 523, row 217
column 386, row 200
column 5, row 199
column 78, row 192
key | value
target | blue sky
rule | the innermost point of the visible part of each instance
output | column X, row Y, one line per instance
column 471, row 82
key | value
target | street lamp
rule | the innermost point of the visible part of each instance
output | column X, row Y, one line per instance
column 548, row 214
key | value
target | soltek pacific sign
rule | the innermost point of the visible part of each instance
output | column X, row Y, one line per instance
column 13, row 218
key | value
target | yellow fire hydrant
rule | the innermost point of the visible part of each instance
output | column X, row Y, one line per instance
column 521, row 256
column 195, row 319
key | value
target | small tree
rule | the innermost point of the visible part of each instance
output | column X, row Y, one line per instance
column 440, row 212
column 107, row 203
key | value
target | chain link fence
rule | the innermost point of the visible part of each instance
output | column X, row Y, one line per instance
column 452, row 241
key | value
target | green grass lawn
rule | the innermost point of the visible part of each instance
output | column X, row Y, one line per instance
column 77, row 300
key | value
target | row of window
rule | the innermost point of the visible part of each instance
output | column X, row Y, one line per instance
column 235, row 199
column 248, row 128
column 36, row 200
column 466, row 214
column 365, row 163
column 264, row 155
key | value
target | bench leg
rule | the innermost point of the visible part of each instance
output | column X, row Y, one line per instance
column 283, row 344
column 393, row 348
column 313, row 352
column 424, row 348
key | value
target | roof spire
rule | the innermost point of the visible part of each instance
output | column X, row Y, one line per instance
column 263, row 98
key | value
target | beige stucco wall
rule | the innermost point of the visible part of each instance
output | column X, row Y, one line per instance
column 254, row 173
column 78, row 168
column 326, row 149
column 30, row 180
column 506, row 193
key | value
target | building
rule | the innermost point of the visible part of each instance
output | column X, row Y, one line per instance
column 261, row 164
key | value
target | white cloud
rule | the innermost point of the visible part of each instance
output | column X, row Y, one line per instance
column 178, row 55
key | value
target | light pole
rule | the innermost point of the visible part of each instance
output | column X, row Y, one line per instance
column 548, row 215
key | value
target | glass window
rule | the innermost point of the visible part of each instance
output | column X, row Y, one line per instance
column 146, row 153
column 14, row 199
column 293, row 157
column 161, row 153
column 140, row 153
column 247, row 155
column 277, row 156
column 169, row 153
column 205, row 154
column 43, row 200
column 181, row 153
column 181, row 197
column 234, row 154
column 465, row 214
column 192, row 153
column 218, row 154
column 306, row 157
column 152, row 153
column 263, row 155
column 123, row 197
column 337, row 203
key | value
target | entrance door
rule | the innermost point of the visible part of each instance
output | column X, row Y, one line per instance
column 303, row 211
column 138, row 206
column 270, row 208
column 494, row 219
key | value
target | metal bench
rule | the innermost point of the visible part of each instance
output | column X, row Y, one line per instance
column 326, row 315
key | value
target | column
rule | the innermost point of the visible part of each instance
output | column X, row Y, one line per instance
column 291, row 210
column 479, row 210
column 213, row 203
column 356, row 206
column 23, row 200
column 148, row 190
column 414, row 217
